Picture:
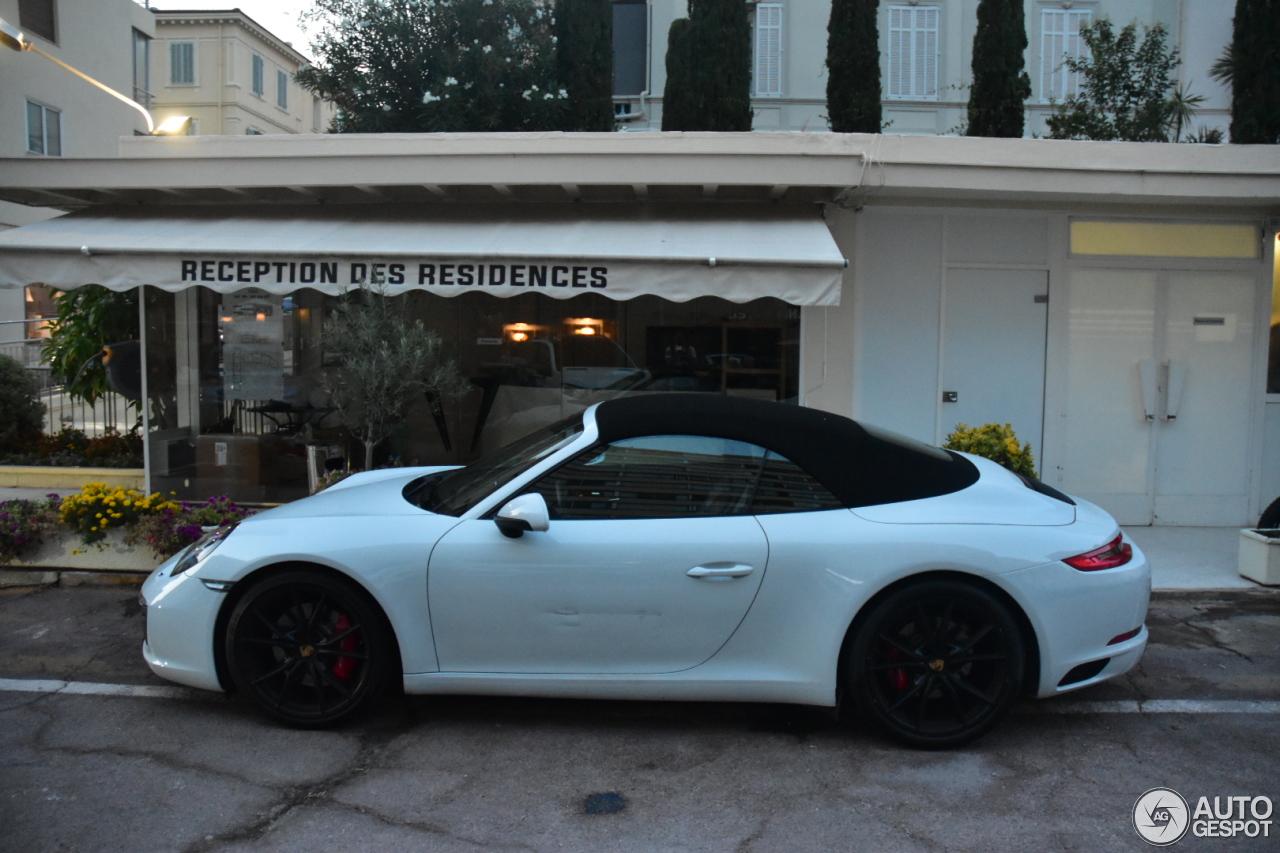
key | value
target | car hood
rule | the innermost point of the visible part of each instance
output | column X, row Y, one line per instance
column 998, row 497
column 368, row 493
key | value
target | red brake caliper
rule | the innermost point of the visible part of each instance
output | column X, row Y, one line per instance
column 897, row 677
column 344, row 666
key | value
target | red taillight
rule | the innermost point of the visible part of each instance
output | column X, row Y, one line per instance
column 1127, row 635
column 1117, row 552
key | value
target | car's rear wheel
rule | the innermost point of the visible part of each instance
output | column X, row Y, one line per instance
column 936, row 664
column 310, row 649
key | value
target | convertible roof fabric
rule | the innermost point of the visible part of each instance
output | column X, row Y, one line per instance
column 859, row 467
column 737, row 253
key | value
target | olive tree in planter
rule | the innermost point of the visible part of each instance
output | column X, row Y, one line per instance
column 385, row 362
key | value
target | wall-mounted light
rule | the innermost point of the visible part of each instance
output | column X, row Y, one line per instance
column 585, row 325
column 521, row 332
column 173, row 126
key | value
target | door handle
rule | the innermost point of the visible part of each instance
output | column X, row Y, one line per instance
column 740, row 570
column 1176, row 373
column 1149, row 375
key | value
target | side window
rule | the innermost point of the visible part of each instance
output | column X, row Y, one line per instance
column 659, row 476
column 786, row 487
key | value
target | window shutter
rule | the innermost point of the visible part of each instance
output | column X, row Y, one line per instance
column 182, row 64
column 913, row 52
column 1060, row 38
column 282, row 90
column 769, row 49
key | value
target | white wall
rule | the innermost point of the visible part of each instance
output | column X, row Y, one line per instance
column 95, row 36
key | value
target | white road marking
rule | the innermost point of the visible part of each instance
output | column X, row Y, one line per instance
column 1116, row 706
column 1156, row 706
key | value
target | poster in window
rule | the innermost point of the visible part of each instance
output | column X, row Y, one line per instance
column 251, row 322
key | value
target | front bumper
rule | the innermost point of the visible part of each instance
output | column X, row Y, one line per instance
column 1077, row 614
column 181, row 614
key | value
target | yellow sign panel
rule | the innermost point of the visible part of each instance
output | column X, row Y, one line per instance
column 1164, row 240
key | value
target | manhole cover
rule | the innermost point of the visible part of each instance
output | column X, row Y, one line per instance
column 610, row 802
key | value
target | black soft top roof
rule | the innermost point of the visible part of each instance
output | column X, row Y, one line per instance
column 859, row 467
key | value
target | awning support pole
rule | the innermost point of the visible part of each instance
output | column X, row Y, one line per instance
column 145, row 402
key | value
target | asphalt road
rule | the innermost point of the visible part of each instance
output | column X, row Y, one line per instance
column 139, row 773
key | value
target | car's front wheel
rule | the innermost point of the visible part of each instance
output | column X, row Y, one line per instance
column 310, row 649
column 936, row 664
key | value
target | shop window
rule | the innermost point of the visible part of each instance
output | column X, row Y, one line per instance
column 39, row 17
column 767, row 38
column 1164, row 239
column 44, row 130
column 1060, row 40
column 182, row 63
column 630, row 47
column 249, row 408
column 258, row 83
column 913, row 52
column 282, row 89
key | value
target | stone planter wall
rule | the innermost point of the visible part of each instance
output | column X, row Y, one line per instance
column 109, row 555
column 67, row 480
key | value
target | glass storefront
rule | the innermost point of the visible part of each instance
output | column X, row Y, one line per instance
column 240, row 400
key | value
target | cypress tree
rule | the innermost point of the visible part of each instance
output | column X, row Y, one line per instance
column 709, row 68
column 723, row 39
column 680, row 105
column 853, row 67
column 1000, row 83
column 584, row 53
column 1255, row 73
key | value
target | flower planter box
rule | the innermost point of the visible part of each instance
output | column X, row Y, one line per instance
column 66, row 480
column 1260, row 556
column 110, row 555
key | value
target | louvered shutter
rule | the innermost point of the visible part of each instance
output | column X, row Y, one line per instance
column 182, row 65
column 768, row 49
column 1059, row 39
column 913, row 52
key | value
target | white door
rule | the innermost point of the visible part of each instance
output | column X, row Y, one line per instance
column 1159, row 393
column 994, row 350
column 649, row 565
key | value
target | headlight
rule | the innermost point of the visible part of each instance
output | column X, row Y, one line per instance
column 201, row 548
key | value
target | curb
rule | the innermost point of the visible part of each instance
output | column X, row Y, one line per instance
column 10, row 578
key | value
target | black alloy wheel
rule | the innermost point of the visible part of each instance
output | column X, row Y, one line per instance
column 311, row 650
column 937, row 664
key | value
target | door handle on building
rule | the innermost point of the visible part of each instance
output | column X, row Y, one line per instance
column 1175, row 377
column 1149, row 375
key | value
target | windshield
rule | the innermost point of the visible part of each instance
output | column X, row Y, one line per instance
column 458, row 491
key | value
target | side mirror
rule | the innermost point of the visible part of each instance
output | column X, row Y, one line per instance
column 526, row 512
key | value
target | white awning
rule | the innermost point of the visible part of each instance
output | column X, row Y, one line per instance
column 562, row 251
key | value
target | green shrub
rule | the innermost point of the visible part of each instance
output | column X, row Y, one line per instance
column 996, row 442
column 21, row 412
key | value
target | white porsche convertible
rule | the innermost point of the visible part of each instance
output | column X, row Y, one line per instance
column 670, row 546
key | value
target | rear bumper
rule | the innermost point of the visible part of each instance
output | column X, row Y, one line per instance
column 1080, row 613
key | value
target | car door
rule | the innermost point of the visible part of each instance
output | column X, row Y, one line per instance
column 650, row 563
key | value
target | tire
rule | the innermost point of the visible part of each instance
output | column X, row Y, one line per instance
column 937, row 664
column 310, row 649
column 1270, row 519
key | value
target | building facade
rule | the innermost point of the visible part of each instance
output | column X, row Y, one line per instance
column 1112, row 301
column 231, row 76
column 926, row 50
column 49, row 113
